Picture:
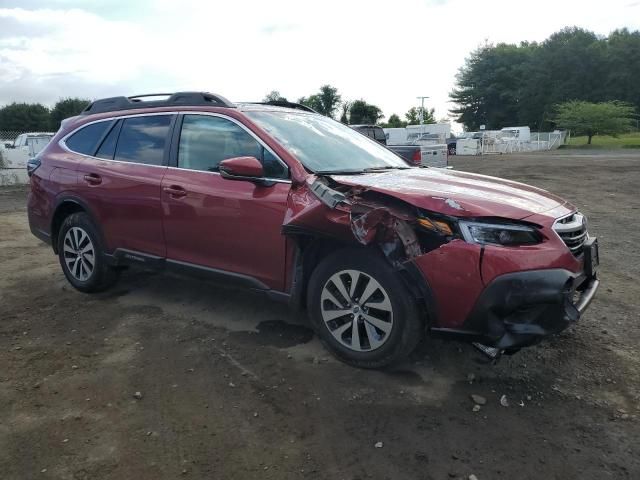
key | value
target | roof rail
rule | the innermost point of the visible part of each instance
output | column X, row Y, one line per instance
column 175, row 99
column 286, row 104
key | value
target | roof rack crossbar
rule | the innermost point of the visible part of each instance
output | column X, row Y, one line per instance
column 151, row 95
column 175, row 99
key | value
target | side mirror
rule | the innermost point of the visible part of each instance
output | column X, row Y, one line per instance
column 8, row 145
column 243, row 168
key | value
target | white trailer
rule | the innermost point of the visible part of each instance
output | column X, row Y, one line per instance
column 522, row 134
column 427, row 134
column 396, row 136
column 468, row 146
column 438, row 132
column 436, row 155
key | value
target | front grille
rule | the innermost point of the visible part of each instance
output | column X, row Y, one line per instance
column 572, row 229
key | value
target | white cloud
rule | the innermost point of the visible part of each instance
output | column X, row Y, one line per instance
column 385, row 52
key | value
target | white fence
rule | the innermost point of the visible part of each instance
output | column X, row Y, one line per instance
column 494, row 142
column 8, row 136
column 549, row 140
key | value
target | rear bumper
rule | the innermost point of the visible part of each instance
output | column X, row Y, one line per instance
column 520, row 309
column 40, row 234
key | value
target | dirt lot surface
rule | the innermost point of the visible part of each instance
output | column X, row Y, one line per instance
column 233, row 386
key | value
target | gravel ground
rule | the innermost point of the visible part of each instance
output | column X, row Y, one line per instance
column 167, row 377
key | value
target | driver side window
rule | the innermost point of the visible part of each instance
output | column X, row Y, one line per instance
column 205, row 141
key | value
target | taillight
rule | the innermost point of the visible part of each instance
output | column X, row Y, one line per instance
column 417, row 157
column 32, row 165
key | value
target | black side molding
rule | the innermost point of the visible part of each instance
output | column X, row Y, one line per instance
column 214, row 274
column 124, row 257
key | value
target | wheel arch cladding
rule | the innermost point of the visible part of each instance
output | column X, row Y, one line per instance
column 68, row 206
column 310, row 248
column 65, row 208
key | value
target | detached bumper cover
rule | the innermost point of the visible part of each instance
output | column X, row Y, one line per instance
column 520, row 309
column 587, row 295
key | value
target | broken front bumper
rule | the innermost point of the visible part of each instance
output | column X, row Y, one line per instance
column 520, row 309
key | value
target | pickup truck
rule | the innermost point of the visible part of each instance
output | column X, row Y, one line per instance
column 16, row 154
column 419, row 155
column 423, row 155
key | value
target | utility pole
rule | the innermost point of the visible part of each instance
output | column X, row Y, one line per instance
column 421, row 109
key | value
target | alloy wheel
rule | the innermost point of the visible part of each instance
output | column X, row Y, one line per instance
column 357, row 311
column 79, row 253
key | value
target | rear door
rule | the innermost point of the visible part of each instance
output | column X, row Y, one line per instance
column 229, row 225
column 121, row 182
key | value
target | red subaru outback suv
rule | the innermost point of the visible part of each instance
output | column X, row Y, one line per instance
column 284, row 201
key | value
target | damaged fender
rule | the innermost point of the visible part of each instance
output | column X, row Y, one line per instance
column 325, row 208
column 382, row 226
column 350, row 215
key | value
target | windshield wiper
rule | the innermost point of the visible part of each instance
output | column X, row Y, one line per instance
column 386, row 167
column 339, row 172
column 359, row 172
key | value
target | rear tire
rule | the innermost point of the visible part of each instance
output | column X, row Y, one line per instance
column 361, row 310
column 81, row 255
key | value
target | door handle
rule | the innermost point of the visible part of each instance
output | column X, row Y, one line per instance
column 175, row 191
column 93, row 179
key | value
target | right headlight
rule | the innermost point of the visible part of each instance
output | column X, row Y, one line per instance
column 499, row 234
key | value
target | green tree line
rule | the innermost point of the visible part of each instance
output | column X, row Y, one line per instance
column 328, row 101
column 506, row 84
column 35, row 117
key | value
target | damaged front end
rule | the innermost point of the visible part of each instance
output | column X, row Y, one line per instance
column 324, row 211
column 356, row 215
column 500, row 296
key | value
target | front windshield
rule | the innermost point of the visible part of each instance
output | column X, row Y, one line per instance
column 324, row 145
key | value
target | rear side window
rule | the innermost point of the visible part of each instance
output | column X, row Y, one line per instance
column 143, row 139
column 86, row 139
column 206, row 140
column 108, row 148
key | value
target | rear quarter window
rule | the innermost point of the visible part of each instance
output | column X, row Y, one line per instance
column 86, row 139
column 108, row 148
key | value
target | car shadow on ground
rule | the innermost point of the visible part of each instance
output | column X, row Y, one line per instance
column 250, row 317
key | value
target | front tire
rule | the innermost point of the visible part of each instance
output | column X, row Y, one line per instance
column 361, row 310
column 81, row 255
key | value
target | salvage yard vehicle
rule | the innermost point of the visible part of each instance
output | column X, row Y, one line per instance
column 24, row 147
column 284, row 201
column 372, row 131
column 428, row 155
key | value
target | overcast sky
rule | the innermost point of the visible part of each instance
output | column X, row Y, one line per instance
column 385, row 52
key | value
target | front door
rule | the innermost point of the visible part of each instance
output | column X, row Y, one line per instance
column 227, row 225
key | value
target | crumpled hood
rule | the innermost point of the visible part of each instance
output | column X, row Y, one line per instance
column 458, row 193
